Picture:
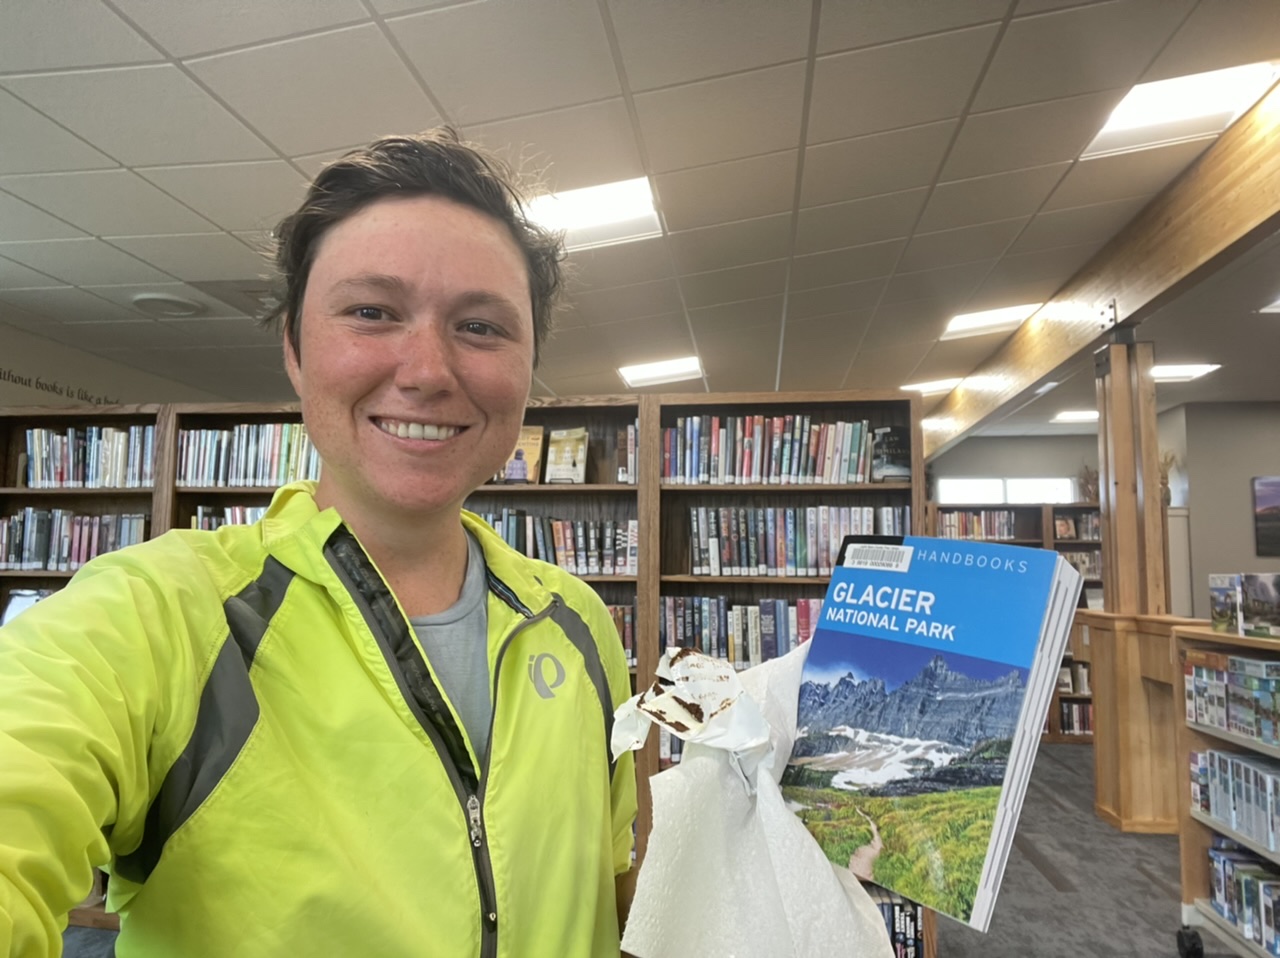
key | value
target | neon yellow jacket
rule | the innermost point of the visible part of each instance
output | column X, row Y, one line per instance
column 242, row 727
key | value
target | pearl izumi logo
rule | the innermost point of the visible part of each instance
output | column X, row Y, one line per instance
column 538, row 674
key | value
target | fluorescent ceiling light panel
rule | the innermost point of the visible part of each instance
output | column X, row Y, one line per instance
column 935, row 387
column 1047, row 388
column 1182, row 108
column 1076, row 415
column 666, row 371
column 988, row 321
column 599, row 215
column 1183, row 373
column 1271, row 308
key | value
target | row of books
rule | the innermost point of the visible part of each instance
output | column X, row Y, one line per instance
column 90, row 457
column 58, row 540
column 624, row 620
column 1088, row 562
column 1246, row 892
column 249, row 454
column 1235, row 693
column 1075, row 718
column 978, row 524
column 744, row 634
column 580, row 546
column 1241, row 791
column 1085, row 527
column 1073, row 678
column 903, row 918
column 567, row 454
column 783, row 450
column 1245, row 603
column 778, row 541
column 213, row 517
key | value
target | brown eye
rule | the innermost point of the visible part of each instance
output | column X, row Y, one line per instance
column 370, row 312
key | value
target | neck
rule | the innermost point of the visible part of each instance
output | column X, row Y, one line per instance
column 424, row 560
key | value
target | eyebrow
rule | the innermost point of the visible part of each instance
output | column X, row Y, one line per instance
column 394, row 284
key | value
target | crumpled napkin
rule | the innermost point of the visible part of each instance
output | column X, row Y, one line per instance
column 730, row 871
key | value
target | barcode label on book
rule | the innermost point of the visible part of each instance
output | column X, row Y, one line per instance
column 869, row 556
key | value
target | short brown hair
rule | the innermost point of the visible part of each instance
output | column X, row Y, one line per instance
column 436, row 162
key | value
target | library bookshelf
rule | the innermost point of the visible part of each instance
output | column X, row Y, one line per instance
column 661, row 509
column 1197, row 829
column 1071, row 528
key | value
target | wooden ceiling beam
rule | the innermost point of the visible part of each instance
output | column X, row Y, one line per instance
column 1222, row 204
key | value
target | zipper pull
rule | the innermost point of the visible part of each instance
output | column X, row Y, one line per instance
column 473, row 815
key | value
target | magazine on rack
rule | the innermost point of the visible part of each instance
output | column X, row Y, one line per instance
column 920, row 710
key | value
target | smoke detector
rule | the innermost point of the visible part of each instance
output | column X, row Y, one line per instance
column 162, row 306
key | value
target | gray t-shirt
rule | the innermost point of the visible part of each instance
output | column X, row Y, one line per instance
column 457, row 645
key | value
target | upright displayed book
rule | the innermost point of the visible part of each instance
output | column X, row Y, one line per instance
column 924, row 693
column 567, row 456
column 1224, row 603
column 524, row 465
column 891, row 454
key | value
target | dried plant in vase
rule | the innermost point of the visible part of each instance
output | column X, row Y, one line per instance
column 1087, row 484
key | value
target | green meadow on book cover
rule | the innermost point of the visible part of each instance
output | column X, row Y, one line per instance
column 920, row 710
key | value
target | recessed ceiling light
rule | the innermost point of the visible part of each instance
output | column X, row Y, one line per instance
column 599, row 215
column 164, row 306
column 666, row 371
column 988, row 321
column 1182, row 108
column 1182, row 374
column 1076, row 415
column 1271, row 307
column 935, row 387
column 1046, row 388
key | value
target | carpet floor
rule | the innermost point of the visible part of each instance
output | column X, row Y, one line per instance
column 1074, row 887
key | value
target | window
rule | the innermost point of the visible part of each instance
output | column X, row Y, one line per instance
column 972, row 491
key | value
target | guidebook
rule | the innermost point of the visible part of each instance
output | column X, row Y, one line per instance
column 920, row 710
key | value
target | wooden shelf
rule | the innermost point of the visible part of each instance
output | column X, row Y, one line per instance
column 78, row 491
column 1077, row 542
column 34, row 574
column 553, row 488
column 1242, row 740
column 1061, row 738
column 789, row 488
column 95, row 916
column 1086, row 696
column 607, row 578
column 1226, row 931
column 225, row 490
column 750, row 579
column 1231, row 639
column 997, row 542
column 1222, row 828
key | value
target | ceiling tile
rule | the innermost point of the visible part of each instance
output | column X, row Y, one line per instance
column 626, row 302
column 120, row 334
column 886, row 368
column 400, row 6
column 896, row 85
column 558, row 51
column 1219, row 35
column 621, row 264
column 67, row 33
column 209, row 331
column 879, row 163
column 189, row 29
column 20, row 220
column 123, row 296
column 16, row 276
column 664, row 42
column 827, row 300
column 106, row 201
column 865, row 23
column 313, row 163
column 1084, row 224
column 730, row 319
column 803, row 370
column 724, row 119
column 739, row 189
column 1139, row 173
column 1030, row 277
column 845, row 265
column 196, row 256
column 320, row 106
column 82, row 262
column 948, row 287
column 235, row 196
column 1080, row 50
column 646, row 339
column 905, row 323
column 754, row 372
column 1026, row 8
column 858, row 222
column 604, row 382
column 12, row 316
column 986, row 198
column 35, row 144
column 65, row 304
column 840, row 333
column 964, row 245
column 732, row 285
column 150, row 114
column 732, row 244
column 568, row 149
column 956, row 357
column 573, row 355
column 1027, row 136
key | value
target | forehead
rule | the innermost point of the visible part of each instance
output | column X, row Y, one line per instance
column 423, row 239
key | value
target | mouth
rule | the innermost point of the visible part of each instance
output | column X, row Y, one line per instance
column 412, row 429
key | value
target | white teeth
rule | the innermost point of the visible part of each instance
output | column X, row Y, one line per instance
column 417, row 430
column 402, row 430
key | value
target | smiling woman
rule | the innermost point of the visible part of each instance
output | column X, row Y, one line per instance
column 341, row 689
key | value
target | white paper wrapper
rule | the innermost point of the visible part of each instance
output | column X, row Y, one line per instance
column 730, row 871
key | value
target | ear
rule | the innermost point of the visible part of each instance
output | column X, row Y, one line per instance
column 292, row 366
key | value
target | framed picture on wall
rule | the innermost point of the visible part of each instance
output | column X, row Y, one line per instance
column 1266, row 515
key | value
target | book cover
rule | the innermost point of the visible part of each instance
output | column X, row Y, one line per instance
column 926, row 686
column 567, row 455
column 1224, row 603
column 524, row 465
column 1260, row 604
column 891, row 454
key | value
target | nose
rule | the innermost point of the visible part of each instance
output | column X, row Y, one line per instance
column 426, row 360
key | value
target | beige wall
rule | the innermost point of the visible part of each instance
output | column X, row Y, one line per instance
column 1227, row 445
column 1018, row 457
column 40, row 372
